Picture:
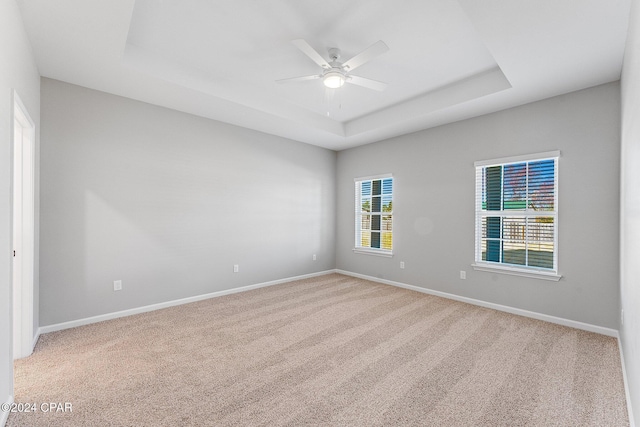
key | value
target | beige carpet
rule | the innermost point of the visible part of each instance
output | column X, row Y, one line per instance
column 329, row 351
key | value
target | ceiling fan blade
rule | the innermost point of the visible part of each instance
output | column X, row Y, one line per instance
column 366, row 55
column 311, row 53
column 368, row 83
column 299, row 79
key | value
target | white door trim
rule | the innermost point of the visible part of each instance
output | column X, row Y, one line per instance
column 23, row 220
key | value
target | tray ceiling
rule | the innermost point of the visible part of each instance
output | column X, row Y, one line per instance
column 448, row 59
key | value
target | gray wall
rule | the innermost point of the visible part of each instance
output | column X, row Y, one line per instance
column 168, row 202
column 17, row 71
column 434, row 197
column 630, row 209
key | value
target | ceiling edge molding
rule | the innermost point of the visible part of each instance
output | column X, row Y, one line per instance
column 470, row 88
column 149, row 63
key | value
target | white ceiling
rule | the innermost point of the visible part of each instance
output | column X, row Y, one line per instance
column 448, row 59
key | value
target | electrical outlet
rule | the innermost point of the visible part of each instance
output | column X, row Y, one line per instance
column 401, row 264
column 236, row 268
column 117, row 285
column 463, row 274
column 314, row 257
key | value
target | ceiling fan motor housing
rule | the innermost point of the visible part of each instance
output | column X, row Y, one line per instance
column 335, row 76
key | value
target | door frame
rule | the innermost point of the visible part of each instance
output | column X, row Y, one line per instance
column 23, row 227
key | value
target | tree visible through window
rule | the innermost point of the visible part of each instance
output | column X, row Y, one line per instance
column 374, row 214
column 516, row 214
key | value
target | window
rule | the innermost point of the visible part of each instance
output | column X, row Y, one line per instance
column 516, row 215
column 374, row 215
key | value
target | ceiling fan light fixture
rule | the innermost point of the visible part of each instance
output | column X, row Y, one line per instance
column 333, row 79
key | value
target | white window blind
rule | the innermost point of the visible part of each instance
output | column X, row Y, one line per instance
column 516, row 213
column 374, row 214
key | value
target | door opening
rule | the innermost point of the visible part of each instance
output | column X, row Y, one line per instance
column 23, row 236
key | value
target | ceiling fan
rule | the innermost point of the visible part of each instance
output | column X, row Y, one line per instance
column 335, row 73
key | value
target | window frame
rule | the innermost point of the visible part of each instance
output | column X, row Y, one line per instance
column 524, row 214
column 358, row 248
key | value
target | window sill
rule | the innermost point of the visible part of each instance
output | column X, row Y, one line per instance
column 534, row 274
column 382, row 253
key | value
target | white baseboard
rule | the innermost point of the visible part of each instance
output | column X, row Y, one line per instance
column 532, row 314
column 520, row 312
column 36, row 338
column 34, row 341
column 152, row 307
column 4, row 415
column 626, row 385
